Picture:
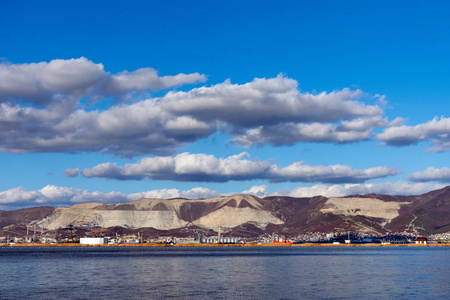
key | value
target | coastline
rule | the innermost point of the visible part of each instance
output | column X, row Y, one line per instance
column 225, row 245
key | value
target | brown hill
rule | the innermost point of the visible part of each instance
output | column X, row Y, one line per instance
column 429, row 212
column 25, row 215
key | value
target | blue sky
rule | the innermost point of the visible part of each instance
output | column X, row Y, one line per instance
column 112, row 101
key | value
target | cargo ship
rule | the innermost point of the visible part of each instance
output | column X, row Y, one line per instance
column 284, row 242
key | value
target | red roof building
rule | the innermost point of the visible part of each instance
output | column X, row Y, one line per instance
column 421, row 241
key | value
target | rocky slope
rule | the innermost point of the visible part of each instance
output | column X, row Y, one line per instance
column 245, row 215
column 162, row 214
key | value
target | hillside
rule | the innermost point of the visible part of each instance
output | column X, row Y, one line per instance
column 246, row 215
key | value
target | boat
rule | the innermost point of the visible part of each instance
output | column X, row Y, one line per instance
column 283, row 241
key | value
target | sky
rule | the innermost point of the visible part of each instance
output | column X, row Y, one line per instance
column 112, row 101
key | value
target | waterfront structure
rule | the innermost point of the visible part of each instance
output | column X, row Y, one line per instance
column 421, row 241
column 185, row 240
column 221, row 240
column 93, row 241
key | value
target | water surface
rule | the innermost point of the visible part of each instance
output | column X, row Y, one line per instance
column 224, row 273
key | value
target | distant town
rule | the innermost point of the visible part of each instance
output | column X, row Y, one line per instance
column 96, row 237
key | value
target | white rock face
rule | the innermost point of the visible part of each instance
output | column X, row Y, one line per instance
column 111, row 218
column 164, row 214
column 369, row 207
column 232, row 217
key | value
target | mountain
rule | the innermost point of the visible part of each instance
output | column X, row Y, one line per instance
column 246, row 215
column 430, row 211
column 24, row 215
column 14, row 222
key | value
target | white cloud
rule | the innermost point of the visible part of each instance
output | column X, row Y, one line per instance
column 183, row 167
column 381, row 99
column 46, row 83
column 54, row 195
column 436, row 130
column 431, row 174
column 267, row 102
column 194, row 193
column 62, row 196
column 263, row 111
column 17, row 195
column 301, row 172
column 258, row 190
column 73, row 76
column 144, row 79
column 290, row 133
column 128, row 130
column 347, row 131
column 39, row 83
column 208, row 168
column 72, row 172
column 387, row 188
column 363, row 123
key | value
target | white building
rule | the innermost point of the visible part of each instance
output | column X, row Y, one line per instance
column 93, row 241
column 222, row 240
column 421, row 241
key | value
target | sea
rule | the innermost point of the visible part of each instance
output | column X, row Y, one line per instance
column 224, row 273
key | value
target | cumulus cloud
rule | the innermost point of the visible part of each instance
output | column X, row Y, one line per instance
column 267, row 102
column 48, row 82
column 61, row 196
column 301, row 172
column 436, row 130
column 194, row 193
column 54, row 195
column 291, row 133
column 258, row 190
column 431, row 174
column 40, row 83
column 144, row 79
column 387, row 188
column 40, row 111
column 128, row 130
column 72, row 172
column 208, row 168
column 347, row 131
column 183, row 167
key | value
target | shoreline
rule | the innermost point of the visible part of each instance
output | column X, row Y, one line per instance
column 224, row 245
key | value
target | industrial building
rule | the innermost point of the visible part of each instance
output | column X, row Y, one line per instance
column 93, row 241
column 221, row 240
